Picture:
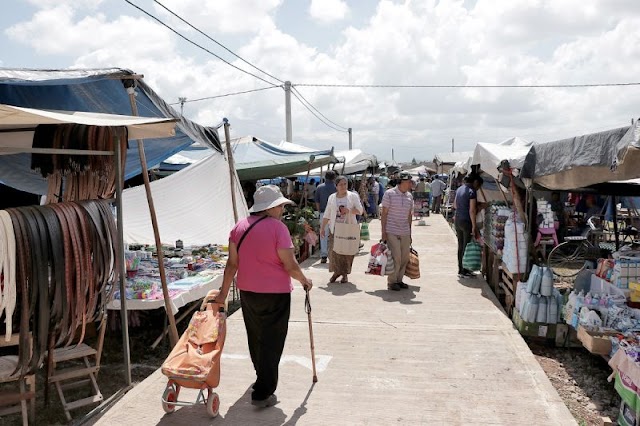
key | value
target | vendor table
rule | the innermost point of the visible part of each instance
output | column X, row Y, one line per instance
column 190, row 289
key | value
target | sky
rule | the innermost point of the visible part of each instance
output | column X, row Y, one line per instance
column 428, row 42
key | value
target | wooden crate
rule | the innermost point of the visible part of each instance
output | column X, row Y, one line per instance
column 509, row 284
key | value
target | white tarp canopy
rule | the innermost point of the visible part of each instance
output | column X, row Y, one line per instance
column 461, row 167
column 17, row 124
column 349, row 162
column 451, row 158
column 420, row 170
column 193, row 205
column 612, row 155
column 489, row 156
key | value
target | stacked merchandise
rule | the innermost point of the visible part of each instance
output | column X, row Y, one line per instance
column 495, row 219
column 537, row 300
column 626, row 270
column 546, row 214
column 622, row 271
column 516, row 245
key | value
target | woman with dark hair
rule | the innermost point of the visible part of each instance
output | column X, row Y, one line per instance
column 342, row 207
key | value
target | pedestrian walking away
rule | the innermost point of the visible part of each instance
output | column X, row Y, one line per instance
column 397, row 211
column 261, row 252
column 437, row 191
column 323, row 191
column 342, row 207
column 466, row 208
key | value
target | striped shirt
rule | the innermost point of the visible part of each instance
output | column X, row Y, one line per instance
column 399, row 207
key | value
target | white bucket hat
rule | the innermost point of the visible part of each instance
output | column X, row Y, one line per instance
column 266, row 197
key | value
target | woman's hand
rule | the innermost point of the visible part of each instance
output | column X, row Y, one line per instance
column 306, row 284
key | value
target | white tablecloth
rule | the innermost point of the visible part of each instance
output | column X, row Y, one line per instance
column 194, row 289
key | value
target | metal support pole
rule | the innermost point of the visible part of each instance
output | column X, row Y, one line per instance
column 287, row 111
column 121, row 264
column 232, row 177
column 453, row 145
column 350, row 139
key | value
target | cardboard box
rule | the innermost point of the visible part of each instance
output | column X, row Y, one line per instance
column 596, row 342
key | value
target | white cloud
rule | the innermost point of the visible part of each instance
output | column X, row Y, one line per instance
column 223, row 16
column 495, row 42
column 327, row 11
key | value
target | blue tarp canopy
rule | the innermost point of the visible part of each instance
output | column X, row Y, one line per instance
column 97, row 90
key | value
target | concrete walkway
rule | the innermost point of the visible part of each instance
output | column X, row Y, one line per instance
column 441, row 352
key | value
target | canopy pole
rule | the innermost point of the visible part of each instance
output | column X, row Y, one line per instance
column 232, row 179
column 121, row 263
column 614, row 207
column 306, row 184
column 173, row 330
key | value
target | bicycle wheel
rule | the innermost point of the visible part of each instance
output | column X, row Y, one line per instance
column 568, row 258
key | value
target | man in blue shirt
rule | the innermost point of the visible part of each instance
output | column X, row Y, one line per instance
column 323, row 191
column 466, row 205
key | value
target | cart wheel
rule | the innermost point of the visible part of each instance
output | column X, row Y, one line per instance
column 213, row 403
column 170, row 395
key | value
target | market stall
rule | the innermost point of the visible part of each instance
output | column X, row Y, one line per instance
column 67, row 254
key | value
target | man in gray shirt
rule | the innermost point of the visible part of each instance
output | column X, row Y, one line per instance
column 323, row 191
column 437, row 190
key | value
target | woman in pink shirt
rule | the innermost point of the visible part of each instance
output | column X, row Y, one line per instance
column 261, row 252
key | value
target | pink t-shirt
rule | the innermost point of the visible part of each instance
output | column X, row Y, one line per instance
column 259, row 267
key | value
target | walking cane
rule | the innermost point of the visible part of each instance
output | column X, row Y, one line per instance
column 307, row 308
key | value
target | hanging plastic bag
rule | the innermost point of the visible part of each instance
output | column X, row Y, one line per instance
column 472, row 259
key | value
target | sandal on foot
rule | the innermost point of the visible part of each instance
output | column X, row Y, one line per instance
column 344, row 279
column 333, row 278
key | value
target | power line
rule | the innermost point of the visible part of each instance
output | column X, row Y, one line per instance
column 196, row 44
column 318, row 111
column 316, row 115
column 225, row 95
column 462, row 86
column 215, row 41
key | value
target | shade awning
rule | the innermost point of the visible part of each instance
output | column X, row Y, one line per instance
column 18, row 124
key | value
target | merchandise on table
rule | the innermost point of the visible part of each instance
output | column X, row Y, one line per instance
column 195, row 267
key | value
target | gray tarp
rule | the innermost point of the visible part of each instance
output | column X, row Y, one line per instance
column 578, row 162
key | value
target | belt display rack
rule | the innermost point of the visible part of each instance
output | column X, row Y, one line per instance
column 67, row 253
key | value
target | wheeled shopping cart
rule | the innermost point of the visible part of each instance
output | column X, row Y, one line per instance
column 195, row 360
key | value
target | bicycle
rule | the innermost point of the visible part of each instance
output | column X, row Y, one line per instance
column 569, row 258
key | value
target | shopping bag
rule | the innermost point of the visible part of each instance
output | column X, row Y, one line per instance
column 364, row 231
column 472, row 259
column 377, row 260
column 413, row 267
column 346, row 238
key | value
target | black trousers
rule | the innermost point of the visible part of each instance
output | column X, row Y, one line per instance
column 266, row 318
column 463, row 232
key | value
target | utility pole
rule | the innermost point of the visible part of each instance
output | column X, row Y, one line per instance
column 453, row 145
column 287, row 110
column 392, row 157
column 182, row 101
column 350, row 139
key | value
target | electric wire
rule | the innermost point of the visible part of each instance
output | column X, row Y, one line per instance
column 225, row 95
column 464, row 86
column 318, row 111
column 316, row 115
column 176, row 32
column 215, row 41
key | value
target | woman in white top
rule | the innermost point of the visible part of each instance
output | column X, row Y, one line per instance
column 342, row 207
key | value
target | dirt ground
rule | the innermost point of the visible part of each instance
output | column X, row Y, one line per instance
column 581, row 380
